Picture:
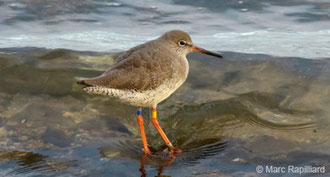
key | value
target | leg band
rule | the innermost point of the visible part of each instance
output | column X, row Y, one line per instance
column 154, row 113
column 139, row 111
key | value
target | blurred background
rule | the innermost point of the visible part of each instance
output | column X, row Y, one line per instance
column 266, row 103
column 296, row 28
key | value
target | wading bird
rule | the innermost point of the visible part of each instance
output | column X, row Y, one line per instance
column 147, row 74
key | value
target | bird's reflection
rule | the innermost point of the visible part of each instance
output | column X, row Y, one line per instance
column 162, row 159
column 143, row 161
column 165, row 157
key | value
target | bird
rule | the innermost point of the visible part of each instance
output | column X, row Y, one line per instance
column 147, row 74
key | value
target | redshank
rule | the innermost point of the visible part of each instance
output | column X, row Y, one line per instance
column 147, row 74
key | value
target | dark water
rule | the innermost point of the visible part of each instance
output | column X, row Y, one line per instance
column 267, row 103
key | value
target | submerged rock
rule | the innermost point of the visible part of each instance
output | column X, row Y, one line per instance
column 57, row 137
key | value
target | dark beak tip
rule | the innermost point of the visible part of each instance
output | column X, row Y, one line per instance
column 201, row 50
column 214, row 54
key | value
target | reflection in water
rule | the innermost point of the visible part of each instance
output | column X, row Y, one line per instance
column 162, row 158
column 161, row 168
column 35, row 162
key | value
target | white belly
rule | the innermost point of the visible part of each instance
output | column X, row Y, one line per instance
column 148, row 98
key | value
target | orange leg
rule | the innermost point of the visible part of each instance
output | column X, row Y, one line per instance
column 143, row 134
column 159, row 129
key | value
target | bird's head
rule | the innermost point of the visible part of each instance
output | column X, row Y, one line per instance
column 181, row 42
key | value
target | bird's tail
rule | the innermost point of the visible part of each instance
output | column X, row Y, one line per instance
column 82, row 81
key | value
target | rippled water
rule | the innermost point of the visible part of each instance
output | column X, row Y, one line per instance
column 267, row 103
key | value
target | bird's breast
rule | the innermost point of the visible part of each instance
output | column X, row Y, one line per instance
column 181, row 68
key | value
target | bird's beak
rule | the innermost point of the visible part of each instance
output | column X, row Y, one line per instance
column 201, row 50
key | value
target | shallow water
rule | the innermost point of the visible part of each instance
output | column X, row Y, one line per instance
column 266, row 103
column 265, row 110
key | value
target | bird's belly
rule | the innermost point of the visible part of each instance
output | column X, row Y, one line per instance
column 147, row 98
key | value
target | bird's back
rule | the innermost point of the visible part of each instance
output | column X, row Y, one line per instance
column 138, row 69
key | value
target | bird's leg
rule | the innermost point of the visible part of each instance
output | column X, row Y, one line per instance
column 159, row 129
column 143, row 134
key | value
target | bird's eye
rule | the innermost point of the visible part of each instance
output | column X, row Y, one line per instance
column 182, row 43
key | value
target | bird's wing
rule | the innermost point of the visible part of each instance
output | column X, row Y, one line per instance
column 128, row 53
column 140, row 71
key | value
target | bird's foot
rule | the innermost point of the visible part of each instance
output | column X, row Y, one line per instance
column 176, row 150
column 147, row 151
column 173, row 150
column 170, row 151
